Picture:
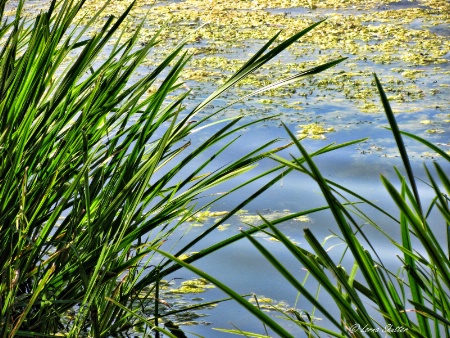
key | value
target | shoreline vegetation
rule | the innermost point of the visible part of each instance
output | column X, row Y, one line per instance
column 98, row 169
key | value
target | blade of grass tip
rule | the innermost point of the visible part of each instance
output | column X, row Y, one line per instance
column 398, row 139
column 291, row 79
column 256, row 62
column 96, row 44
column 237, row 297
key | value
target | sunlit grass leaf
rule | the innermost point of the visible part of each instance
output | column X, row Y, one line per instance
column 97, row 168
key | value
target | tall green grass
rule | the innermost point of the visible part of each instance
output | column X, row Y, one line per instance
column 372, row 300
column 96, row 171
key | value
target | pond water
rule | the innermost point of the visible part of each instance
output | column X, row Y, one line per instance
column 245, row 270
column 343, row 99
column 405, row 42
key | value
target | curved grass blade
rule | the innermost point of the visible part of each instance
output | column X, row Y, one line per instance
column 258, row 60
column 398, row 140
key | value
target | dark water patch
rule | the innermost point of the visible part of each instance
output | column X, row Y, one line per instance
column 403, row 4
column 441, row 30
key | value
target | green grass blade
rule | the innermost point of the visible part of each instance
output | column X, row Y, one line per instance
column 237, row 297
column 398, row 140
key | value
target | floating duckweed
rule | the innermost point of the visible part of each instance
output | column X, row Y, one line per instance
column 250, row 219
column 429, row 155
column 266, row 300
column 435, row 131
column 412, row 74
column 203, row 216
column 314, row 131
column 371, row 33
column 197, row 281
column 435, row 91
column 398, row 98
column 197, row 285
column 189, row 289
column 223, row 227
column 303, row 218
column 273, row 239
column 363, row 94
column 200, row 75
column 269, row 304
column 368, row 107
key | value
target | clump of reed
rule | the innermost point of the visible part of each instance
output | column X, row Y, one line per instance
column 97, row 171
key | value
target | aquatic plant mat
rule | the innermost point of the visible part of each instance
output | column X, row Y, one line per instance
column 405, row 42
